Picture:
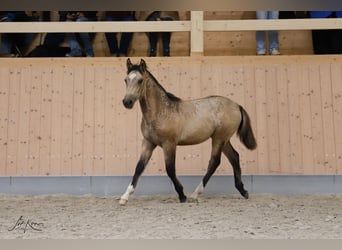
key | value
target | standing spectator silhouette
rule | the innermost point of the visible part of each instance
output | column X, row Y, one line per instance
column 17, row 43
column 119, row 48
column 153, row 36
column 326, row 41
column 272, row 35
column 85, row 38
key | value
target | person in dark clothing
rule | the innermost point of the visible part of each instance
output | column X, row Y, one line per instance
column 85, row 38
column 119, row 48
column 17, row 43
column 327, row 41
column 153, row 36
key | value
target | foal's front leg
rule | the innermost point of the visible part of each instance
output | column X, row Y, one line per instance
column 170, row 159
column 147, row 149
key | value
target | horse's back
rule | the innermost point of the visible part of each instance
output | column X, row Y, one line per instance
column 209, row 116
column 216, row 106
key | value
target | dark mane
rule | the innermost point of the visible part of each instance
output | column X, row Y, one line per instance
column 171, row 96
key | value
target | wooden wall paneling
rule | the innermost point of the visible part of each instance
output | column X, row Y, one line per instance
column 13, row 114
column 45, row 121
column 120, row 127
column 4, row 94
column 34, row 123
column 317, row 125
column 99, row 121
column 306, row 119
column 23, row 121
column 251, row 165
column 78, row 121
column 336, row 77
column 295, row 122
column 67, row 120
column 44, row 109
column 272, row 120
column 328, row 119
column 261, row 119
column 283, row 97
column 233, row 87
column 110, row 109
column 88, row 140
column 56, row 120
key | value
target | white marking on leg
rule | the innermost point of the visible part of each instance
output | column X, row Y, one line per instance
column 124, row 198
column 199, row 190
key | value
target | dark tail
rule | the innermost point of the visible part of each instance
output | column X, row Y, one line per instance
column 245, row 131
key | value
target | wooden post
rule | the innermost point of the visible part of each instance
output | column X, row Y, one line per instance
column 197, row 36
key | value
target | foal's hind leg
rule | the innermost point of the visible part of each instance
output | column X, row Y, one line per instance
column 214, row 162
column 169, row 150
column 234, row 159
column 147, row 149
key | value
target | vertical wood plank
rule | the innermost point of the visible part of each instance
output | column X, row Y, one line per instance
column 306, row 120
column 66, row 120
column 45, row 120
column 317, row 126
column 56, row 121
column 261, row 124
column 88, row 140
column 336, row 77
column 99, row 121
column 272, row 121
column 78, row 122
column 4, row 102
column 250, row 106
column 34, row 123
column 283, row 119
column 110, row 132
column 24, row 121
column 13, row 117
column 197, row 39
column 294, row 118
column 328, row 120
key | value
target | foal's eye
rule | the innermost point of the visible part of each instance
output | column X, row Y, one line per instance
column 140, row 81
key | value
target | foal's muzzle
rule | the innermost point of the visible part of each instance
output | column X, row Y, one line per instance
column 128, row 103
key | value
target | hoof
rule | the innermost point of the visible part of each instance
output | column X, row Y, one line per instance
column 246, row 195
column 192, row 200
column 123, row 202
column 183, row 199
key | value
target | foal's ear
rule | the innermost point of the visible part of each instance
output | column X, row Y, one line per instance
column 129, row 64
column 142, row 65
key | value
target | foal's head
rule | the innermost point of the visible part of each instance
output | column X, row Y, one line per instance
column 134, row 83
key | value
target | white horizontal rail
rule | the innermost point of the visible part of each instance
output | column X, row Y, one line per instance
column 65, row 27
column 275, row 24
column 172, row 26
column 196, row 26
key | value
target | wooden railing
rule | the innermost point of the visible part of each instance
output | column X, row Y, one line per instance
column 196, row 26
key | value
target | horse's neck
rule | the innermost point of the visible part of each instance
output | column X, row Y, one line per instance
column 155, row 99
